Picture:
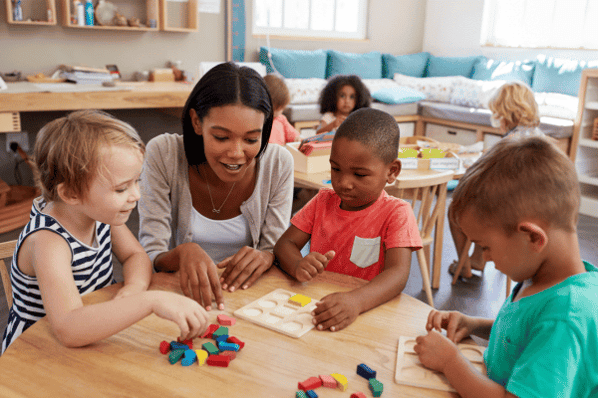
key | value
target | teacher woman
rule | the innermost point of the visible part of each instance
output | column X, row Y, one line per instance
column 217, row 196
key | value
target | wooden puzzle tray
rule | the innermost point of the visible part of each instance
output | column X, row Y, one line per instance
column 273, row 311
column 411, row 372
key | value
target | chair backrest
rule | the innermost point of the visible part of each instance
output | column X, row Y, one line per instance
column 6, row 251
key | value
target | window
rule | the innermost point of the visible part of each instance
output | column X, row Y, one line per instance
column 541, row 23
column 311, row 18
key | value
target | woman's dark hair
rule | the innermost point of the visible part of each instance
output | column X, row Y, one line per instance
column 329, row 95
column 225, row 84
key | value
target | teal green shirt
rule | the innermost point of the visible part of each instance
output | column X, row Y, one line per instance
column 546, row 345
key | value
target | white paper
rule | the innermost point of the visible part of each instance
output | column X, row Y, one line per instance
column 209, row 6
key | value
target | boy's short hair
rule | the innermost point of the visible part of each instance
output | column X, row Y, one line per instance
column 67, row 150
column 520, row 178
column 279, row 92
column 515, row 102
column 375, row 129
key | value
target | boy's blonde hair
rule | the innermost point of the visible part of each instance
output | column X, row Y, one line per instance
column 515, row 102
column 279, row 92
column 67, row 150
column 520, row 178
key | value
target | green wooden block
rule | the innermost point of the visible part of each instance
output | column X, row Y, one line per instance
column 376, row 387
column 175, row 355
column 210, row 348
column 221, row 331
column 300, row 394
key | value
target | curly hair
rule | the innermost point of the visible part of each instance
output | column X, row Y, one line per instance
column 515, row 103
column 329, row 95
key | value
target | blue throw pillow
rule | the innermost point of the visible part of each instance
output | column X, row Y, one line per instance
column 398, row 95
column 450, row 66
column 555, row 75
column 409, row 65
column 491, row 69
column 366, row 66
column 296, row 64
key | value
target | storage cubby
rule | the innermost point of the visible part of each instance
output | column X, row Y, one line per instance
column 146, row 10
column 33, row 10
column 178, row 16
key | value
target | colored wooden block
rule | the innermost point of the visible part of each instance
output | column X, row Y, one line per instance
column 226, row 320
column 218, row 360
column 299, row 300
column 175, row 355
column 211, row 329
column 311, row 394
column 231, row 354
column 224, row 346
column 222, row 338
column 210, row 348
column 376, row 387
column 175, row 345
column 189, row 357
column 221, row 331
column 188, row 343
column 165, row 347
column 202, row 355
column 309, row 384
column 328, row 381
column 358, row 395
column 364, row 371
column 341, row 381
column 300, row 394
column 234, row 340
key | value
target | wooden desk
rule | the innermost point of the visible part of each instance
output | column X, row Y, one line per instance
column 129, row 363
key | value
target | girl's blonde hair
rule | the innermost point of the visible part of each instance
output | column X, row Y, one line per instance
column 515, row 103
column 67, row 150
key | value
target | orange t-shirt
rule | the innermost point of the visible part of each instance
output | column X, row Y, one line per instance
column 359, row 238
column 282, row 131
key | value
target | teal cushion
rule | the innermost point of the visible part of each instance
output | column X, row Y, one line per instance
column 366, row 66
column 555, row 75
column 450, row 66
column 398, row 95
column 491, row 69
column 296, row 64
column 409, row 65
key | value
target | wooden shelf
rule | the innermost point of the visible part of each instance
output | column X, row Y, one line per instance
column 31, row 9
column 151, row 13
column 176, row 16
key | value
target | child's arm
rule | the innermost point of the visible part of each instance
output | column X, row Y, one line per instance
column 458, row 325
column 440, row 354
column 338, row 310
column 77, row 325
column 137, row 267
column 333, row 125
column 290, row 132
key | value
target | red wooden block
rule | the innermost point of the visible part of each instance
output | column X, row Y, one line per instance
column 234, row 340
column 311, row 384
column 226, row 320
column 165, row 347
column 218, row 360
column 211, row 329
column 231, row 354
column 328, row 381
column 188, row 343
column 358, row 395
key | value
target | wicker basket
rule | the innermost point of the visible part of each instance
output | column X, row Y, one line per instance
column 595, row 130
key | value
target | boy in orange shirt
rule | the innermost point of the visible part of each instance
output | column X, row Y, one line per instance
column 357, row 228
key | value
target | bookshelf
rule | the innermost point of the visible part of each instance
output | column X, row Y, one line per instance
column 178, row 16
column 33, row 10
column 145, row 10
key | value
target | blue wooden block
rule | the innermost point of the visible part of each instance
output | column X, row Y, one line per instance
column 189, row 358
column 224, row 346
column 224, row 337
column 175, row 345
column 311, row 394
column 364, row 371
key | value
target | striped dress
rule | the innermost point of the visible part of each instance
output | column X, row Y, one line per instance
column 91, row 266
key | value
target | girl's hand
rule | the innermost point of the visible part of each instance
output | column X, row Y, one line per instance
column 130, row 290
column 244, row 268
column 435, row 351
column 457, row 325
column 190, row 317
column 335, row 311
column 198, row 275
column 312, row 265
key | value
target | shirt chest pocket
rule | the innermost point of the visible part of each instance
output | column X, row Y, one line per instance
column 365, row 251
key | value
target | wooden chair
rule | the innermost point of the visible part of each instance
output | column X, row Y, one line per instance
column 6, row 251
column 429, row 190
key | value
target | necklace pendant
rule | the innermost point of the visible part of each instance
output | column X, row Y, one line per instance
column 215, row 211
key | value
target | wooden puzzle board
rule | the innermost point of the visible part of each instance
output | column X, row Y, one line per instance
column 273, row 311
column 411, row 372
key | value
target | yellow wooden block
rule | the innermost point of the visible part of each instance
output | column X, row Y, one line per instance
column 341, row 381
column 202, row 355
column 300, row 299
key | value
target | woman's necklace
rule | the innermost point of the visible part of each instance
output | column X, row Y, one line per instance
column 214, row 209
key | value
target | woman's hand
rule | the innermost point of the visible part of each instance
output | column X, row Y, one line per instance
column 198, row 275
column 244, row 268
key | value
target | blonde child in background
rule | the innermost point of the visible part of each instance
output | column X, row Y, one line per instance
column 282, row 130
column 342, row 95
column 519, row 203
column 356, row 228
column 88, row 165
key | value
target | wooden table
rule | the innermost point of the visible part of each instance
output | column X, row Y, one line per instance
column 129, row 363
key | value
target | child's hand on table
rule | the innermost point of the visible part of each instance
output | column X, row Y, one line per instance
column 335, row 311
column 312, row 265
column 457, row 325
column 244, row 268
column 191, row 318
column 435, row 351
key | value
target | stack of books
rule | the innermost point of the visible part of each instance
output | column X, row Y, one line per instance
column 85, row 75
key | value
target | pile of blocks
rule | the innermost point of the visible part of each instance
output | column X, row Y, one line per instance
column 219, row 354
column 336, row 380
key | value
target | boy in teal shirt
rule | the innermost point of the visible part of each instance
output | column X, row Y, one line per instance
column 520, row 203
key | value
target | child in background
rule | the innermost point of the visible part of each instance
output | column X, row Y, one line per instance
column 356, row 229
column 282, row 130
column 519, row 202
column 342, row 95
column 88, row 167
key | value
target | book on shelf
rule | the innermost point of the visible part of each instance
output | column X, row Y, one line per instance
column 84, row 75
